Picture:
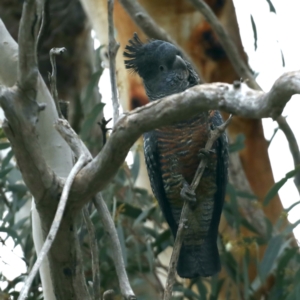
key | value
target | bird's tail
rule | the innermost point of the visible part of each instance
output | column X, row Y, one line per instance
column 199, row 260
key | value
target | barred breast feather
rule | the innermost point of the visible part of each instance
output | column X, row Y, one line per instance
column 172, row 156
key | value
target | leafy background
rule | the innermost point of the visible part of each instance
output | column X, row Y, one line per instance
column 144, row 235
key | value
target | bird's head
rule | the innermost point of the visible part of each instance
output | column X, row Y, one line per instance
column 161, row 66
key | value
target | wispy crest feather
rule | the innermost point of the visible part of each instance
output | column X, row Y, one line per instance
column 133, row 51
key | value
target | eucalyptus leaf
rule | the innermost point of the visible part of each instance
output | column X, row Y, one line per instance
column 7, row 159
column 286, row 257
column 291, row 207
column 93, row 83
column 254, row 32
column 249, row 226
column 216, row 286
column 145, row 214
column 202, row 289
column 150, row 256
column 90, row 120
column 282, row 58
column 273, row 136
column 270, row 256
column 238, row 145
column 246, row 261
column 122, row 241
column 13, row 234
column 4, row 172
column 295, row 293
column 135, row 166
column 129, row 210
column 4, row 145
column 278, row 185
column 272, row 8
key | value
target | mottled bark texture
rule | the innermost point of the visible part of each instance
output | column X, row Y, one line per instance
column 65, row 26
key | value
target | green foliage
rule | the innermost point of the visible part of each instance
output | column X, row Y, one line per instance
column 278, row 185
column 272, row 8
column 254, row 32
column 238, row 145
column 14, row 196
column 144, row 236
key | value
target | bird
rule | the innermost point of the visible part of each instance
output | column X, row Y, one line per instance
column 173, row 153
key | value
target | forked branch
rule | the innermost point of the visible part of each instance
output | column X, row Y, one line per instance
column 104, row 214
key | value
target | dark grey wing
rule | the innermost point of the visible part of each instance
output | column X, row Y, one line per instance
column 154, row 172
column 222, row 175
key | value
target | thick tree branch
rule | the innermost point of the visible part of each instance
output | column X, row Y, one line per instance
column 244, row 72
column 241, row 101
column 39, row 149
column 113, row 48
column 144, row 21
column 27, row 63
column 23, row 111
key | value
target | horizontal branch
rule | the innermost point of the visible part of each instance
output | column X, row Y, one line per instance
column 237, row 99
column 244, row 72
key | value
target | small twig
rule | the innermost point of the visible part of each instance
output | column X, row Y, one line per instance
column 72, row 139
column 42, row 26
column 104, row 129
column 54, row 227
column 113, row 48
column 110, row 229
column 144, row 21
column 214, row 135
column 52, row 77
column 294, row 148
column 95, row 254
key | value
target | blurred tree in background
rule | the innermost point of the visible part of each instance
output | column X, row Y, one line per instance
column 256, row 264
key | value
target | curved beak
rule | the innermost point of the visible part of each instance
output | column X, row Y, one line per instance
column 180, row 64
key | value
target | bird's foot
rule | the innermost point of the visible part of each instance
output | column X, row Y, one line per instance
column 185, row 223
column 206, row 153
column 187, row 193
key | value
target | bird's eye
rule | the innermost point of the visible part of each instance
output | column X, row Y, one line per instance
column 161, row 68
